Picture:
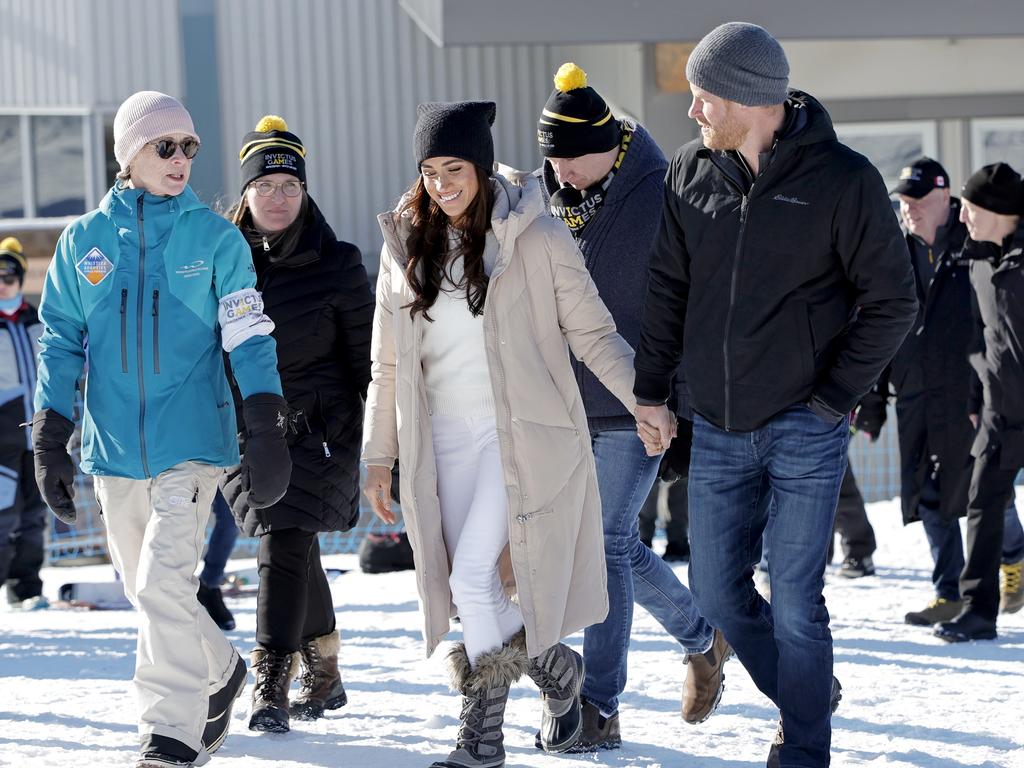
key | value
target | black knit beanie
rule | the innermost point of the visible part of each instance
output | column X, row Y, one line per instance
column 459, row 129
column 996, row 188
column 575, row 121
column 270, row 148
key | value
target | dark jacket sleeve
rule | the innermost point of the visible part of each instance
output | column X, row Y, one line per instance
column 874, row 256
column 354, row 318
column 975, row 392
column 664, row 310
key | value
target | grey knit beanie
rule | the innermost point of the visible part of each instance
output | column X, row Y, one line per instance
column 740, row 62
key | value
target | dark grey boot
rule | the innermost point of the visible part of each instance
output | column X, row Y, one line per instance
column 480, row 743
column 558, row 672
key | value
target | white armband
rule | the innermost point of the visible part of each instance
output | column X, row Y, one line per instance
column 241, row 317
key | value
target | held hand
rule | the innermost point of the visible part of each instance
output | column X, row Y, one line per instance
column 378, row 492
column 656, row 426
column 974, row 419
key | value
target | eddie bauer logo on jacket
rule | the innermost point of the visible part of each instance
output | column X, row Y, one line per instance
column 790, row 200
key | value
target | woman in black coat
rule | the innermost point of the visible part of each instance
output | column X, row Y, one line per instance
column 316, row 291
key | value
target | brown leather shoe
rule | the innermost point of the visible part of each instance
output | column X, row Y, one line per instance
column 703, row 687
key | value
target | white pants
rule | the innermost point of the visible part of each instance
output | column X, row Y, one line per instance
column 474, row 519
column 155, row 533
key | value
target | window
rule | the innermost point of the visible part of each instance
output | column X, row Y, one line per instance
column 890, row 146
column 996, row 140
column 58, row 144
column 12, row 204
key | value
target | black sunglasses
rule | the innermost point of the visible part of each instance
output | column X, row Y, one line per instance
column 165, row 148
column 9, row 279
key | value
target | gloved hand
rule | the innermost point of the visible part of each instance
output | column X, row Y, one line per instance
column 869, row 420
column 266, row 463
column 55, row 472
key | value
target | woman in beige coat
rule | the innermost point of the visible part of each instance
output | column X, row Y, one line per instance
column 478, row 296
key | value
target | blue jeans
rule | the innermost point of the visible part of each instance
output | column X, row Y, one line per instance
column 787, row 646
column 1013, row 536
column 625, row 475
column 222, row 541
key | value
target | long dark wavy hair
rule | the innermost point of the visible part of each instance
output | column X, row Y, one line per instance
column 427, row 246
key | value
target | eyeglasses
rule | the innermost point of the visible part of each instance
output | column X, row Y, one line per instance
column 269, row 188
column 8, row 279
column 165, row 148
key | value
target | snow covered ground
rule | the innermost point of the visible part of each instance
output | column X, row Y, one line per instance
column 909, row 699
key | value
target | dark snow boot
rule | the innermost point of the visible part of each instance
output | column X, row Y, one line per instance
column 558, row 673
column 212, row 599
column 274, row 672
column 480, row 743
column 320, row 679
column 221, row 702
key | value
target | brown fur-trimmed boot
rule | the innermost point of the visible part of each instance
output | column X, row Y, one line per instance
column 320, row 678
column 274, row 673
column 480, row 743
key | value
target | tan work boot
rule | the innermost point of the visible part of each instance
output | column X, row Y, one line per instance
column 940, row 609
column 320, row 678
column 703, row 687
column 1011, row 597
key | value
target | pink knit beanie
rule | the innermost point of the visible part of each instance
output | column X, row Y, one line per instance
column 144, row 117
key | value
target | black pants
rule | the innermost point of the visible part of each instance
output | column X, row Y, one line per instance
column 294, row 602
column 856, row 536
column 22, row 521
column 991, row 490
column 678, row 521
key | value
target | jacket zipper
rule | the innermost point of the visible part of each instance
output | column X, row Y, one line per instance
column 156, row 330
column 142, row 383
column 124, row 330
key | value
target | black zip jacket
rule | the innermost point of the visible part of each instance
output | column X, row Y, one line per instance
column 997, row 275
column 795, row 285
column 319, row 298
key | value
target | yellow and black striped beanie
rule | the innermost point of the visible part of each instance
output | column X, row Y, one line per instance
column 575, row 121
column 271, row 148
column 12, row 260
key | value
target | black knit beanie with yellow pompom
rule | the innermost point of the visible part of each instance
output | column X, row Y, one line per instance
column 270, row 148
column 575, row 121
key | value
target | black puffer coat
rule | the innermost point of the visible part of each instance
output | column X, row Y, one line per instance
column 319, row 299
column 931, row 377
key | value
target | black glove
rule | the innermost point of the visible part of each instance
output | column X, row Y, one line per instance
column 869, row 421
column 675, row 462
column 266, row 463
column 55, row 472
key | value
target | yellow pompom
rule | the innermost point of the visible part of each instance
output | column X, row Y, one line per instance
column 269, row 123
column 10, row 244
column 569, row 77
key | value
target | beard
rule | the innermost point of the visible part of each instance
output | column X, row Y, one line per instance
column 730, row 135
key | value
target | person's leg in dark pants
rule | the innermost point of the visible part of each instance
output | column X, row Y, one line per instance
column 319, row 603
column 787, row 647
column 283, row 597
column 677, row 522
column 648, row 517
column 991, row 490
column 856, row 535
column 26, row 540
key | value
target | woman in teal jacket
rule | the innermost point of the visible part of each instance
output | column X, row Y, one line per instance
column 150, row 288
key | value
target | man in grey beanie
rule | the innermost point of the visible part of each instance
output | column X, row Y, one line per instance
column 781, row 272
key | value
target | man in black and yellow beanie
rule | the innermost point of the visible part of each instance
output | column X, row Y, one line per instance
column 603, row 177
column 22, row 512
column 271, row 148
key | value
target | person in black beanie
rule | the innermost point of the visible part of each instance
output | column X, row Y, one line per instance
column 310, row 280
column 993, row 205
column 483, row 412
column 603, row 178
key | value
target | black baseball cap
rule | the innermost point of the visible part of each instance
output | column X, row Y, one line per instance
column 921, row 177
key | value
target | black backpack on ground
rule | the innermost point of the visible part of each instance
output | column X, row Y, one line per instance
column 385, row 552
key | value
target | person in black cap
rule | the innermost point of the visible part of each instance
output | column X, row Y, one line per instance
column 993, row 204
column 780, row 280
column 479, row 292
column 931, row 377
column 22, row 511
column 316, row 291
column 603, row 177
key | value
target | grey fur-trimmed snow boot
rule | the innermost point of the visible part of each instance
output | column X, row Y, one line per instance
column 558, row 673
column 480, row 743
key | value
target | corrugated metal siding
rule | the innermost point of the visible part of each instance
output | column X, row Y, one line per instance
column 68, row 53
column 347, row 75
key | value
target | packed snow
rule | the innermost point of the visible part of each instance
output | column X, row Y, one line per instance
column 909, row 698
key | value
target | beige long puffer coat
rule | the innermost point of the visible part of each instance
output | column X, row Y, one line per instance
column 539, row 297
